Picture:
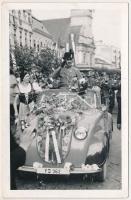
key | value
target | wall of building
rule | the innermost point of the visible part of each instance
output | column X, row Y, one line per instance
column 84, row 19
column 100, row 65
column 40, row 41
column 20, row 24
column 85, row 46
column 41, row 37
column 108, row 53
column 85, row 55
column 27, row 31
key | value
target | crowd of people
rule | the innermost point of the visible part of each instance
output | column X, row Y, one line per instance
column 25, row 85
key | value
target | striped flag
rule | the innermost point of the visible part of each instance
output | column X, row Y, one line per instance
column 73, row 47
column 13, row 59
column 47, row 143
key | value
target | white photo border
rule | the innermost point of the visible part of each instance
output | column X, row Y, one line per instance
column 5, row 142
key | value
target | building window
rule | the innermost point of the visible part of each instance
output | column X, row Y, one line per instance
column 14, row 32
column 15, row 40
column 14, row 21
column 34, row 44
column 13, row 12
column 10, row 19
column 19, row 14
column 20, row 20
column 29, row 18
column 25, row 33
column 30, row 43
column 84, row 58
column 30, row 36
column 25, row 38
column 20, row 37
column 30, row 39
column 38, row 47
column 24, row 14
column 25, row 41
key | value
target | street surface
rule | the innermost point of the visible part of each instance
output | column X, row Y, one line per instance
column 76, row 182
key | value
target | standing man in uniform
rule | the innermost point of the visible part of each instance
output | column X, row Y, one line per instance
column 68, row 73
column 111, row 95
column 118, row 95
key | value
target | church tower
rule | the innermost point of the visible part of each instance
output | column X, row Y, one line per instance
column 82, row 20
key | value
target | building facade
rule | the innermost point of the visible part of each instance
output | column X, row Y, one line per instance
column 84, row 48
column 25, row 30
column 76, row 33
column 41, row 37
column 109, row 54
column 20, row 26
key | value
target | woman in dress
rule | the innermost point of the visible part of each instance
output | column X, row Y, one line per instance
column 26, row 98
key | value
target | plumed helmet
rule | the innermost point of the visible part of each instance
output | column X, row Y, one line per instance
column 69, row 55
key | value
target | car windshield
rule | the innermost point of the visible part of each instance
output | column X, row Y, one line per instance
column 73, row 102
column 67, row 101
column 90, row 98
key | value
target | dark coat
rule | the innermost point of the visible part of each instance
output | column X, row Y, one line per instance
column 17, row 159
column 119, row 106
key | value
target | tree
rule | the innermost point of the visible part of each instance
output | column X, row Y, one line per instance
column 24, row 57
column 48, row 61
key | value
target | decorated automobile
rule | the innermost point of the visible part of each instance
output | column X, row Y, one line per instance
column 73, row 134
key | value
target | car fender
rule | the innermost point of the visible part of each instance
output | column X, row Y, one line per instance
column 79, row 148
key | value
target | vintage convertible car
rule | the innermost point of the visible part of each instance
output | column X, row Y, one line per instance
column 73, row 135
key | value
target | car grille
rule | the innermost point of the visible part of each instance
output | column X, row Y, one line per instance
column 54, row 143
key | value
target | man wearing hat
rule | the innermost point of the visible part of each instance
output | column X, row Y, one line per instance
column 67, row 72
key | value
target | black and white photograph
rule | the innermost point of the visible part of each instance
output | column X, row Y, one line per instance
column 66, row 112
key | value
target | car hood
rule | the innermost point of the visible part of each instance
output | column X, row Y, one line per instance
column 61, row 133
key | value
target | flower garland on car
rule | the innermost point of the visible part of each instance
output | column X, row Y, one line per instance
column 56, row 119
column 51, row 127
column 56, row 123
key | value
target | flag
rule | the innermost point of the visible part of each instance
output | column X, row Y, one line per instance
column 72, row 44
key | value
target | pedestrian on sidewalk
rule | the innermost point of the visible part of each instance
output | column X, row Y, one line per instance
column 118, row 95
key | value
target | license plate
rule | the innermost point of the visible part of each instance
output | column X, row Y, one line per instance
column 52, row 171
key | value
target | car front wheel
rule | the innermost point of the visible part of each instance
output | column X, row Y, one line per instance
column 101, row 176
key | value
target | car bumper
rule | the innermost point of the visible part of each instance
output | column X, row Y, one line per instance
column 59, row 171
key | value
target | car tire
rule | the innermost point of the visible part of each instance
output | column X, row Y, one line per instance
column 101, row 176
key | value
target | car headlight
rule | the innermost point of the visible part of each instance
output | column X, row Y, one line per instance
column 81, row 133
